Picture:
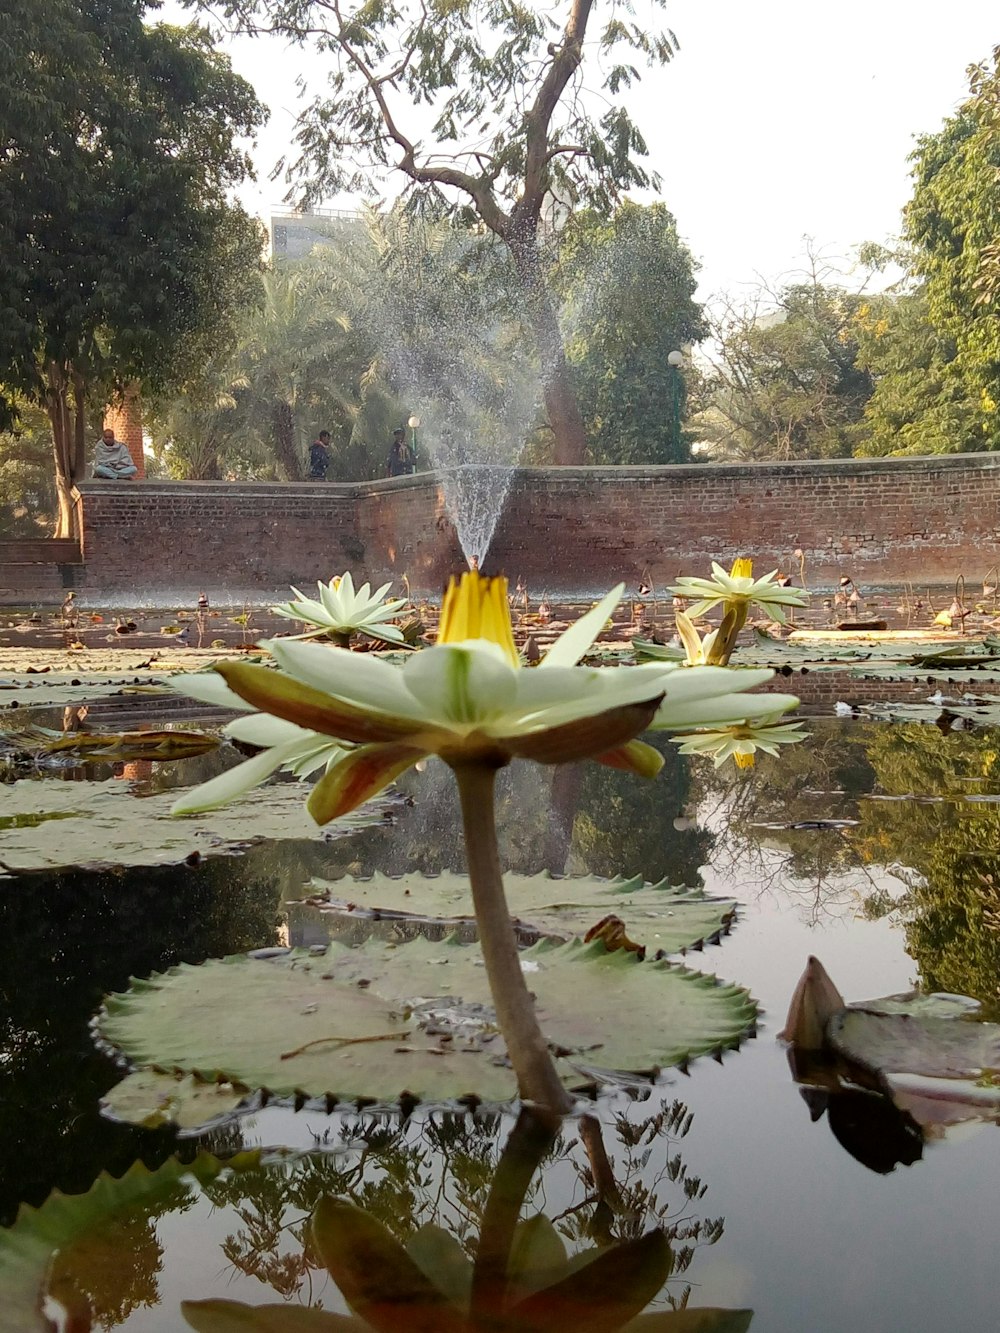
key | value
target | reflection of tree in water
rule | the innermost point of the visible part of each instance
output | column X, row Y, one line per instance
column 66, row 940
column 625, row 826
column 951, row 909
column 441, row 1169
column 822, row 779
column 101, row 1279
column 582, row 818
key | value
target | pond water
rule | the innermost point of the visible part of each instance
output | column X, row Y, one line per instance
column 872, row 846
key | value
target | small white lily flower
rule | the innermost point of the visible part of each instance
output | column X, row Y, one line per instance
column 739, row 588
column 469, row 700
column 342, row 611
column 741, row 742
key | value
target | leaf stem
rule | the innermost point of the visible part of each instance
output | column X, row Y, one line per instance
column 537, row 1079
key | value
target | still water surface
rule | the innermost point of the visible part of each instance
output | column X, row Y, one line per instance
column 888, row 893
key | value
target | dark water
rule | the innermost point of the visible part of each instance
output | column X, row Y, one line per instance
column 810, row 1224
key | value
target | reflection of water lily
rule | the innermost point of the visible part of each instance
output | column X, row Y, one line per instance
column 342, row 611
column 284, row 746
column 698, row 651
column 741, row 742
column 740, row 589
column 468, row 700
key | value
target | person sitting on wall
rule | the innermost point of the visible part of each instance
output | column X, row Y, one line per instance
column 112, row 458
column 319, row 456
column 400, row 462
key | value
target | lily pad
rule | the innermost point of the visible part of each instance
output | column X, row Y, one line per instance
column 63, row 1222
column 380, row 1021
column 152, row 1099
column 102, row 823
column 665, row 917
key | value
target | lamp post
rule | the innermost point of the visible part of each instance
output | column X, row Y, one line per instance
column 413, row 423
column 675, row 360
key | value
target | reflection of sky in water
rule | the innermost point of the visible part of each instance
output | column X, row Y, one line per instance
column 812, row 1239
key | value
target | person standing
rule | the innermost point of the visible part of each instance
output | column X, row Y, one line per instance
column 400, row 461
column 319, row 456
column 112, row 459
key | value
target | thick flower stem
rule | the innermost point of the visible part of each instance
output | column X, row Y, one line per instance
column 537, row 1079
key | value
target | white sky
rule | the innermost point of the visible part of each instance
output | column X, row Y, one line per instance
column 779, row 119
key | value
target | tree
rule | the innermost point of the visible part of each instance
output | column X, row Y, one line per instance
column 628, row 283
column 120, row 257
column 921, row 402
column 27, row 494
column 785, row 382
column 935, row 351
column 514, row 138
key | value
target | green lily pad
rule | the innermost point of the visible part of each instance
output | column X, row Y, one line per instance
column 64, row 1222
column 102, row 823
column 381, row 1020
column 664, row 917
column 152, row 1099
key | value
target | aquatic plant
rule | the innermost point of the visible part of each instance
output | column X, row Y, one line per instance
column 342, row 612
column 469, row 700
column 742, row 741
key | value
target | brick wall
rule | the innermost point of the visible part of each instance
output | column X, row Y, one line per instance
column 565, row 530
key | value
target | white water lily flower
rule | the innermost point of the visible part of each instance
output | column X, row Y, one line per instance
column 343, row 611
column 284, row 746
column 469, row 700
column 741, row 742
column 739, row 588
column 698, row 651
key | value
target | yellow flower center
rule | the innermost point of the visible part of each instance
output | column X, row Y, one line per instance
column 476, row 607
column 742, row 568
column 743, row 760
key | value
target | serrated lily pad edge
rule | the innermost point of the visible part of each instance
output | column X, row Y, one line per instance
column 593, row 1076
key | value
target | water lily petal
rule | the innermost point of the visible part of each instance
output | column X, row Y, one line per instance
column 633, row 757
column 721, row 709
column 209, row 688
column 574, row 642
column 357, row 678
column 461, row 684
column 234, row 782
column 288, row 698
column 683, row 683
column 585, row 738
column 387, row 633
column 264, row 730
column 356, row 778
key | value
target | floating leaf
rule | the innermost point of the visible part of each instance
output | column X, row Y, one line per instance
column 102, row 823
column 152, row 1099
column 382, row 1020
column 664, row 917
column 160, row 745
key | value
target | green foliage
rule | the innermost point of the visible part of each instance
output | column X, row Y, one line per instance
column 786, row 382
column 935, row 349
column 27, row 494
column 921, row 402
column 628, row 285
column 121, row 257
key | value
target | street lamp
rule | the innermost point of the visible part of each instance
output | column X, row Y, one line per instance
column 675, row 360
column 413, row 423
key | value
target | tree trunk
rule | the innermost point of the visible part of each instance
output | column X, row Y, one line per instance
column 561, row 407
column 67, row 449
column 286, row 457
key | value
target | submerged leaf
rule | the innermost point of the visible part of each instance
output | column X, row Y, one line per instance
column 234, row 1317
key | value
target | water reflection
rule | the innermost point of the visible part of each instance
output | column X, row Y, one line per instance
column 450, row 1222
